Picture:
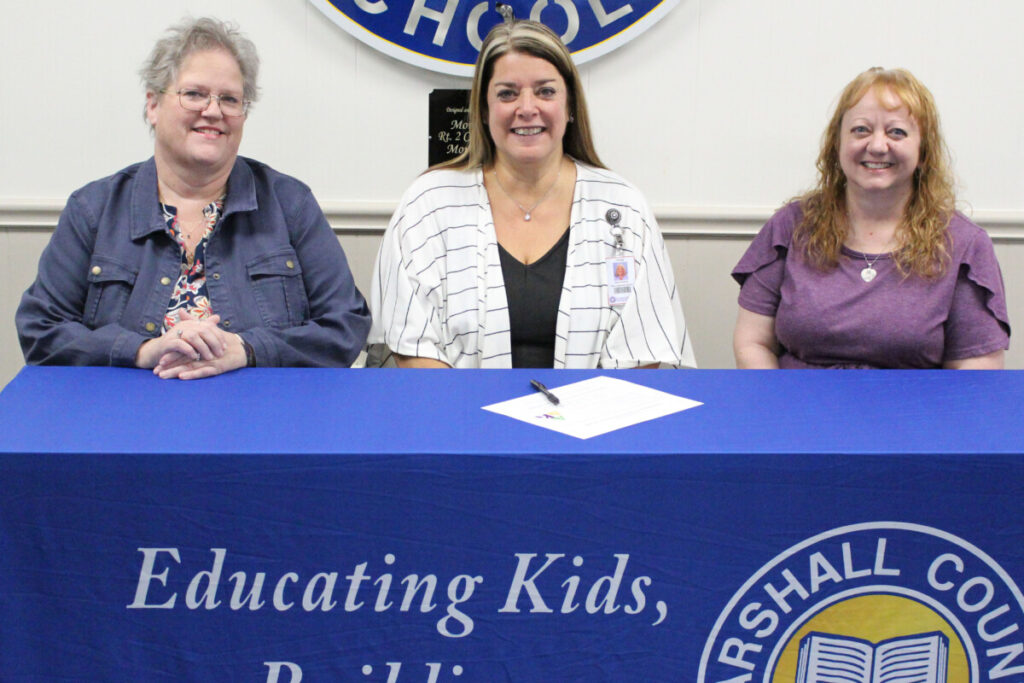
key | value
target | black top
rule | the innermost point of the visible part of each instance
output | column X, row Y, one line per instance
column 533, row 292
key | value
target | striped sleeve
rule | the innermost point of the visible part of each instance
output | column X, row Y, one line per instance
column 424, row 294
column 402, row 313
column 649, row 328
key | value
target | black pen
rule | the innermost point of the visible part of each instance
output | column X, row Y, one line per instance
column 544, row 390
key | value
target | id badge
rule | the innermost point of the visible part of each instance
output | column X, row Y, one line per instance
column 621, row 275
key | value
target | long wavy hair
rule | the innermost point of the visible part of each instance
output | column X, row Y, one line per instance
column 922, row 247
column 535, row 39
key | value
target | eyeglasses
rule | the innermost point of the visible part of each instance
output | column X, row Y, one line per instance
column 197, row 100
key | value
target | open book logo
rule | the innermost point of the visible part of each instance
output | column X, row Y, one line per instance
column 828, row 657
column 874, row 602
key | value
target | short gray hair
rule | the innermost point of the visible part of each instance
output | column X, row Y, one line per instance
column 196, row 35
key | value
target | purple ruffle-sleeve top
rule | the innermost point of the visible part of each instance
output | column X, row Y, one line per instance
column 833, row 318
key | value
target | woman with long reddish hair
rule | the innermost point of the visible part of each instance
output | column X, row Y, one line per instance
column 874, row 267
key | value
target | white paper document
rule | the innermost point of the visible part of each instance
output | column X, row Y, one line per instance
column 594, row 406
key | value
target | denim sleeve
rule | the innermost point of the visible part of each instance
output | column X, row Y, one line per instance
column 50, row 316
column 339, row 319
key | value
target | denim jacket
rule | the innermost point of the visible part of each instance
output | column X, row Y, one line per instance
column 276, row 274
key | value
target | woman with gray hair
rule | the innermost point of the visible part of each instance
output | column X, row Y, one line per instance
column 197, row 261
column 526, row 251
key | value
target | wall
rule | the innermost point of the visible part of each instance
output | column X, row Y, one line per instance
column 715, row 113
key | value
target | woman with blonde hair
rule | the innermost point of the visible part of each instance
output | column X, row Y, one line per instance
column 526, row 251
column 874, row 268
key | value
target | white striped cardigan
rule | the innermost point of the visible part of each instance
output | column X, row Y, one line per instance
column 438, row 292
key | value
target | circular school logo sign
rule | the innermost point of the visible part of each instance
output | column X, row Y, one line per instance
column 872, row 603
column 445, row 35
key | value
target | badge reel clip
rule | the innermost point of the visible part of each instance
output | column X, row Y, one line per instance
column 613, row 217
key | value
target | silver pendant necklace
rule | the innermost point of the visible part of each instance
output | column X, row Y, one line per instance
column 528, row 212
column 868, row 272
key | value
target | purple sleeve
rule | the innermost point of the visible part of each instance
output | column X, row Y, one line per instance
column 761, row 269
column 760, row 292
column 977, row 322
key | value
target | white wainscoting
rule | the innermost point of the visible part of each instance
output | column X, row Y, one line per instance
column 704, row 244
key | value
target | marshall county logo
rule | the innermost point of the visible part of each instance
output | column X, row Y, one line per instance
column 445, row 35
column 872, row 603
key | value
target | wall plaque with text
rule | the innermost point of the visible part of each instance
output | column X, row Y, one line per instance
column 449, row 125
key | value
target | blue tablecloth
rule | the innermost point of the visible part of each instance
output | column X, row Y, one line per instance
column 377, row 525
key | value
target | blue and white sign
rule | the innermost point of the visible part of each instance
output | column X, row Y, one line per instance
column 872, row 600
column 445, row 35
